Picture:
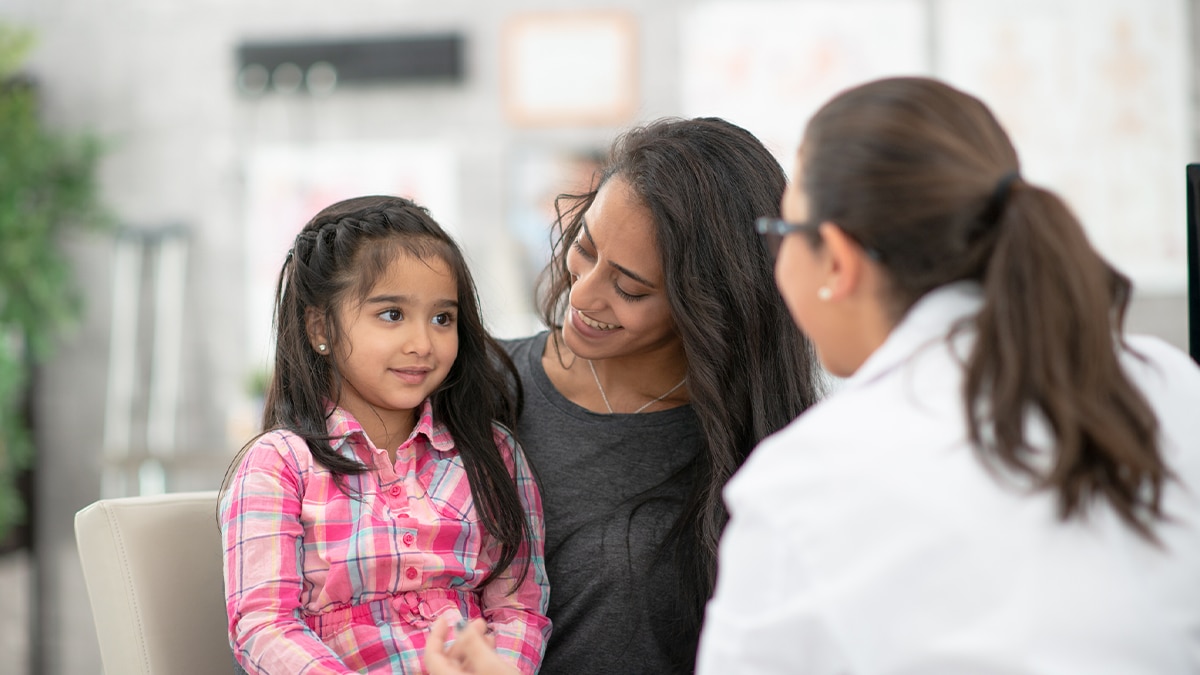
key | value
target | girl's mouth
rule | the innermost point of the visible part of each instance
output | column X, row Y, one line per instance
column 411, row 375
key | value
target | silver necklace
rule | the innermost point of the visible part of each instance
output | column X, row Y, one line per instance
column 605, row 396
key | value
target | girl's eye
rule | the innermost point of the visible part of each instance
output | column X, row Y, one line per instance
column 391, row 315
column 443, row 319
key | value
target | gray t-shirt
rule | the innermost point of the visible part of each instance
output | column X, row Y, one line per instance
column 612, row 486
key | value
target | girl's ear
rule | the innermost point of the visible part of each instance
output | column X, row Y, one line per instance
column 847, row 262
column 314, row 325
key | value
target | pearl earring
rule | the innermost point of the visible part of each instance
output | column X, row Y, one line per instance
column 825, row 293
column 321, row 348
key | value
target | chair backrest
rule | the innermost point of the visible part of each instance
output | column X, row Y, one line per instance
column 152, row 566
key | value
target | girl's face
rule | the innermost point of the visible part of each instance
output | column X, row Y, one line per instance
column 399, row 343
column 618, row 302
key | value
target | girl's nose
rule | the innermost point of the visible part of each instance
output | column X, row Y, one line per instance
column 416, row 340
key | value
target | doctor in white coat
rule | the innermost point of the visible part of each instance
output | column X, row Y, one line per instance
column 1004, row 483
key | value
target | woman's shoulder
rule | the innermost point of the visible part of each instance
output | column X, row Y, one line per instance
column 868, row 432
column 1170, row 381
column 523, row 345
column 1154, row 359
column 1166, row 376
column 790, row 457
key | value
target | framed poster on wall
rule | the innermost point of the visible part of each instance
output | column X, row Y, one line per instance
column 570, row 68
column 767, row 65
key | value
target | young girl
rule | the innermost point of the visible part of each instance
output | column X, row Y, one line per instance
column 387, row 490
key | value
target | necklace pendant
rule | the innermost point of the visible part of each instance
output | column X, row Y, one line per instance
column 608, row 405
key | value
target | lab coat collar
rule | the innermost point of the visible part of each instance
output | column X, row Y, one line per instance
column 927, row 322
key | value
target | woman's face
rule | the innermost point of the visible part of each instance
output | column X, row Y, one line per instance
column 618, row 301
column 800, row 273
column 832, row 288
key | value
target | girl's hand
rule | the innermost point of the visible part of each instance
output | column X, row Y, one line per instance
column 473, row 651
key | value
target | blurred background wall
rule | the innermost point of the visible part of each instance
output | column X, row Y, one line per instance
column 214, row 160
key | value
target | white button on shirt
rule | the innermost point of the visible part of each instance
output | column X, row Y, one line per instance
column 868, row 538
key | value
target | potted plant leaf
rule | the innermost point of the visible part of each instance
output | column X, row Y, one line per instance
column 47, row 190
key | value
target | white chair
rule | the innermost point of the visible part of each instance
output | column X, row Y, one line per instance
column 152, row 566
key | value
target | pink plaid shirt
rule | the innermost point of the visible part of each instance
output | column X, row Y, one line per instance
column 319, row 582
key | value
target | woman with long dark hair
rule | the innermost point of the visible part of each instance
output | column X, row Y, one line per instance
column 670, row 354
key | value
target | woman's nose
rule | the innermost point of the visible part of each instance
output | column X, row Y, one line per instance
column 583, row 293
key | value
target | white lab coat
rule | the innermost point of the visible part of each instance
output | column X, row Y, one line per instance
column 867, row 538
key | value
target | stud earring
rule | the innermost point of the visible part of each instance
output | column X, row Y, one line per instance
column 321, row 348
column 825, row 293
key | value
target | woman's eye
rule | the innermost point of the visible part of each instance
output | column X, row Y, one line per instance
column 578, row 246
column 443, row 319
column 392, row 315
column 632, row 297
column 577, row 260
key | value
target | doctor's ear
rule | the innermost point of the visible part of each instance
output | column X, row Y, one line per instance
column 846, row 263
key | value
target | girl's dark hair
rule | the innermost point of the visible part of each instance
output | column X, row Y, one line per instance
column 336, row 259
column 750, row 370
column 924, row 174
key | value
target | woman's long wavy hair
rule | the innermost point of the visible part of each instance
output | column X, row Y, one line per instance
column 749, row 369
column 336, row 260
column 924, row 174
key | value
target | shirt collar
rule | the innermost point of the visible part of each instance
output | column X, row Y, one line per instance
column 927, row 322
column 342, row 426
column 435, row 432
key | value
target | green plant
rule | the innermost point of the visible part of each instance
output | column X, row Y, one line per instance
column 47, row 188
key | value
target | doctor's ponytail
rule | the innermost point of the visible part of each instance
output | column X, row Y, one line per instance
column 925, row 175
column 1048, row 339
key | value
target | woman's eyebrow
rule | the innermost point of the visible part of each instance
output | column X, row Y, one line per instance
column 620, row 268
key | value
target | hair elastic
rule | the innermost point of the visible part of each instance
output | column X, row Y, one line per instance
column 999, row 198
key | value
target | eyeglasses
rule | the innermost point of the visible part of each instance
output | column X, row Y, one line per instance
column 773, row 230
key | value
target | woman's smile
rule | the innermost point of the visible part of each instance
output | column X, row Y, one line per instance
column 598, row 325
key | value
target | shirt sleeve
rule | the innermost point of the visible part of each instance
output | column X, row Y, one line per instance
column 750, row 627
column 263, row 551
column 517, row 616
